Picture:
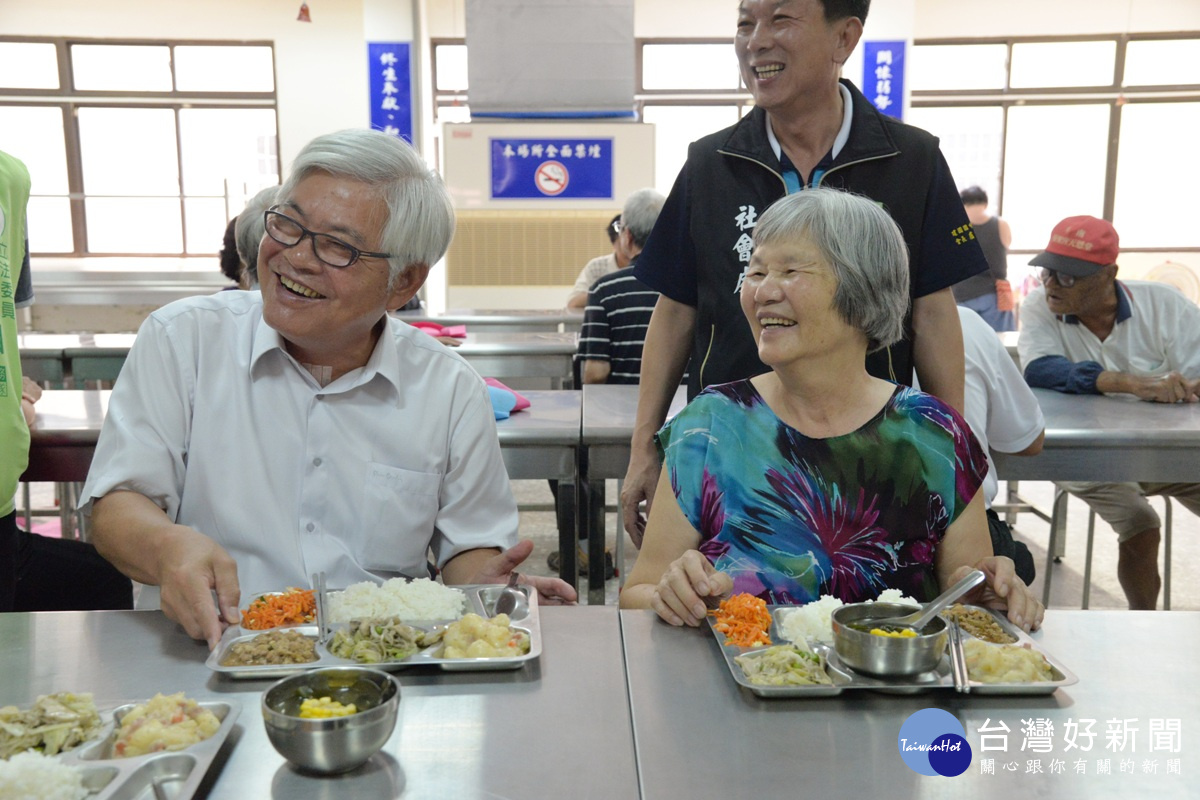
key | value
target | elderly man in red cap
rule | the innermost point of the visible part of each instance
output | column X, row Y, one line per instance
column 1085, row 332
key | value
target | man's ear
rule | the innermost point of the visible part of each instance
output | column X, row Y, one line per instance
column 407, row 283
column 849, row 31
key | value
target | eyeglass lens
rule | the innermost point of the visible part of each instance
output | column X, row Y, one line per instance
column 287, row 231
column 1063, row 280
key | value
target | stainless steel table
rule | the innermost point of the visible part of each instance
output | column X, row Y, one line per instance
column 698, row 734
column 608, row 415
column 558, row 727
column 522, row 355
column 501, row 320
column 1099, row 438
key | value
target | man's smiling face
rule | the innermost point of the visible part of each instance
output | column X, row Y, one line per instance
column 328, row 316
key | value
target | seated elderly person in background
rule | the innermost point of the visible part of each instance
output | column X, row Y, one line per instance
column 817, row 478
column 248, row 232
column 257, row 438
column 1085, row 332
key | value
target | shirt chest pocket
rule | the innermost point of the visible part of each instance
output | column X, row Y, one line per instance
column 399, row 508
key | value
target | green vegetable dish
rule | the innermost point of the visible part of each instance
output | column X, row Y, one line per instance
column 784, row 665
column 373, row 641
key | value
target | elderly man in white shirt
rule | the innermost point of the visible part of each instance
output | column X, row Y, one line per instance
column 1085, row 332
column 254, row 439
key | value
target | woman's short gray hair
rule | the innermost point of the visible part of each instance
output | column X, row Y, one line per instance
column 248, row 232
column 420, row 220
column 862, row 244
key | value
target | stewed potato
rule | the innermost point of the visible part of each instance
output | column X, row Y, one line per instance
column 476, row 637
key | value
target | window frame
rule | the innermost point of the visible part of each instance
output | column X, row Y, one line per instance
column 70, row 100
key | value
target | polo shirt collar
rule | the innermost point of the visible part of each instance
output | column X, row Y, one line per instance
column 839, row 141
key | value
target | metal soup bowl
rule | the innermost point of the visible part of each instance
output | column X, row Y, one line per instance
column 886, row 656
column 336, row 744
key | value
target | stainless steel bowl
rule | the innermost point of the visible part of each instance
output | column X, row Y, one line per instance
column 337, row 744
column 886, row 656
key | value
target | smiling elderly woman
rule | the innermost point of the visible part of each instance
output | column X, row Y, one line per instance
column 817, row 478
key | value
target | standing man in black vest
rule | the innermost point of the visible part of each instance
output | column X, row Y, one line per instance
column 808, row 128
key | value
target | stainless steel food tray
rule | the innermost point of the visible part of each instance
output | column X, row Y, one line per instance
column 480, row 600
column 844, row 678
column 178, row 774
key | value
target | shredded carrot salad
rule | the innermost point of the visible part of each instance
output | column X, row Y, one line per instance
column 744, row 620
column 287, row 608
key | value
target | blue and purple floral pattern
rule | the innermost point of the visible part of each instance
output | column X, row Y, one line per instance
column 791, row 518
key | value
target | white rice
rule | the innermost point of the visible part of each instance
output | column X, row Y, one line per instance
column 33, row 776
column 421, row 599
column 811, row 622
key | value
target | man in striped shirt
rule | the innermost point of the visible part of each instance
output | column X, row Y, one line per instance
column 619, row 305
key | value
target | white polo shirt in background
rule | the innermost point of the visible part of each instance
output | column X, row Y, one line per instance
column 217, row 424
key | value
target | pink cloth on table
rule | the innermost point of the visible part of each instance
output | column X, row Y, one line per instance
column 522, row 401
column 450, row 331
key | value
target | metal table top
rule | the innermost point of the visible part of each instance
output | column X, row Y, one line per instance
column 558, row 727
column 511, row 320
column 698, row 734
column 1101, row 438
column 608, row 415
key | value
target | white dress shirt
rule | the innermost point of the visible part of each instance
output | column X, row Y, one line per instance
column 218, row 425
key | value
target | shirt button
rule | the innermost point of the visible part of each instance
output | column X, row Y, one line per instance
column 316, row 462
column 310, row 527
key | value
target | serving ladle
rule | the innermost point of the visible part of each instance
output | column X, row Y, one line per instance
column 919, row 619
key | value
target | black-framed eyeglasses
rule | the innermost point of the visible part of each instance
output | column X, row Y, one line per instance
column 328, row 249
column 1061, row 278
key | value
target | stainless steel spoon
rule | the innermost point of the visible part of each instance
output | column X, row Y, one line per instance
column 509, row 597
column 919, row 619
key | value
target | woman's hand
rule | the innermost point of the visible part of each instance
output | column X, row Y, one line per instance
column 687, row 589
column 1005, row 591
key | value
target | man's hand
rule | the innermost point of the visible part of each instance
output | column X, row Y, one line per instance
column 640, row 481
column 191, row 567
column 1169, row 388
column 497, row 568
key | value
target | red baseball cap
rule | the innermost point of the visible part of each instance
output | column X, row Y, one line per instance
column 1080, row 246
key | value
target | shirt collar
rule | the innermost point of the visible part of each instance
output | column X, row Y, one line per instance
column 839, row 141
column 1124, row 307
column 384, row 360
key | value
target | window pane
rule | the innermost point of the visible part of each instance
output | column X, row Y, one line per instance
column 675, row 128
column 689, row 66
column 227, row 144
column 1049, row 177
column 133, row 225
column 972, row 141
column 135, row 68
column 34, row 134
column 129, row 151
column 1153, row 209
column 50, row 226
column 1168, row 62
column 957, row 66
column 224, row 69
column 1037, row 64
column 454, row 113
column 28, row 65
column 450, row 64
column 206, row 224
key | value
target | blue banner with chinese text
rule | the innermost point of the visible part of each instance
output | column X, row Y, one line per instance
column 883, row 76
column 389, row 68
column 552, row 167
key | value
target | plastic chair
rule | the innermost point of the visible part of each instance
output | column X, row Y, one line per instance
column 1058, row 521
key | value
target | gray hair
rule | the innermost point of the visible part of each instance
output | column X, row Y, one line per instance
column 865, row 249
column 248, row 232
column 420, row 221
column 640, row 213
